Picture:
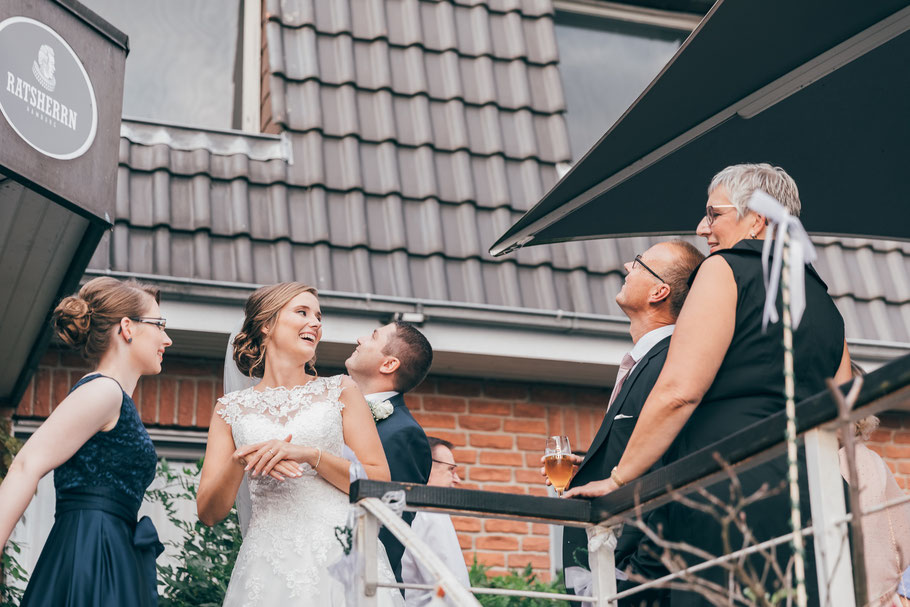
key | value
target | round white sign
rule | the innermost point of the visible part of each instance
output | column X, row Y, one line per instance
column 45, row 93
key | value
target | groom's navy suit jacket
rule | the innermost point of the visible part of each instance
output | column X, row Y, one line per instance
column 607, row 449
column 410, row 459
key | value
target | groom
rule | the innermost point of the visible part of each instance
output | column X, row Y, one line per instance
column 385, row 365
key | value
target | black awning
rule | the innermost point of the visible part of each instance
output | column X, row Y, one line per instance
column 819, row 88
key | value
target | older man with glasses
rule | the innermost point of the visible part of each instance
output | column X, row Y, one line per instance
column 436, row 530
column 652, row 295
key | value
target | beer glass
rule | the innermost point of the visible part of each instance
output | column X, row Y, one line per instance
column 557, row 462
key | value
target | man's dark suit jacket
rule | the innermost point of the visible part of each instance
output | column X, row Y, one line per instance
column 410, row 459
column 607, row 449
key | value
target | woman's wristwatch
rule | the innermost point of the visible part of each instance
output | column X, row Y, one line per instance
column 616, row 478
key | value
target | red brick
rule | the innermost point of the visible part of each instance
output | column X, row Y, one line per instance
column 148, row 399
column 502, row 458
column 490, row 407
column 70, row 359
column 529, row 410
column 467, row 524
column 532, row 443
column 532, row 477
column 537, row 561
column 496, row 475
column 890, row 420
column 570, row 424
column 42, row 405
column 497, row 542
column 186, row 407
column 472, row 486
column 540, row 529
column 505, row 390
column 25, row 404
column 596, row 397
column 586, row 429
column 465, row 456
column 490, row 559
column 555, row 425
column 435, row 420
column 205, row 402
column 543, row 575
column 556, row 395
column 60, row 386
column 459, row 387
column 897, row 452
column 902, row 467
column 427, row 386
column 513, row 489
column 496, row 572
column 412, row 402
column 497, row 441
column 535, row 544
column 538, row 491
column 500, row 526
column 902, row 438
column 465, row 541
column 902, row 482
column 444, row 404
column 459, row 439
column 479, row 422
column 525, row 426
column 167, row 402
column 533, row 459
column 880, row 436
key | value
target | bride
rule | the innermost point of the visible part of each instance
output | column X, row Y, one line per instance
column 286, row 434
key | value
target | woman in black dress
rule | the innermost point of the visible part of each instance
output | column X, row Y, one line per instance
column 723, row 373
column 102, row 457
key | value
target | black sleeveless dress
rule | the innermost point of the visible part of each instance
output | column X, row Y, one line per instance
column 97, row 554
column 748, row 388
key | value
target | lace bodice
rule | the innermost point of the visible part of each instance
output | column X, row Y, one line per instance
column 100, row 461
column 293, row 522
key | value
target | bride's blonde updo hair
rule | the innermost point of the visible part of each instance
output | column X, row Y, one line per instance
column 261, row 310
column 84, row 321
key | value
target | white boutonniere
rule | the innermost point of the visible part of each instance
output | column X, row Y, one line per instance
column 381, row 410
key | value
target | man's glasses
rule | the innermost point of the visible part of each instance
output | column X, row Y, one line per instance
column 158, row 322
column 451, row 467
column 645, row 266
column 711, row 214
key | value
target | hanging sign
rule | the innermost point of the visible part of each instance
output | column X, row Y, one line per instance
column 45, row 93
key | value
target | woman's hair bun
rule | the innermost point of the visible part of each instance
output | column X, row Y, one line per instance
column 72, row 321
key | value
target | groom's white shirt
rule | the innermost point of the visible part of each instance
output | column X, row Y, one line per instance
column 378, row 397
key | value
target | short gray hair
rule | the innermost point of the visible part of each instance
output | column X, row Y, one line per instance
column 741, row 181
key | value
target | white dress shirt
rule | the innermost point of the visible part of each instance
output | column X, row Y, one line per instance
column 648, row 341
column 378, row 397
column 436, row 530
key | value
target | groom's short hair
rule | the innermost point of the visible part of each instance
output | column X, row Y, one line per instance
column 412, row 349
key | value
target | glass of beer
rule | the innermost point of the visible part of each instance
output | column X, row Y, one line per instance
column 557, row 463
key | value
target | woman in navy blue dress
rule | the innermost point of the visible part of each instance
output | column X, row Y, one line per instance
column 102, row 457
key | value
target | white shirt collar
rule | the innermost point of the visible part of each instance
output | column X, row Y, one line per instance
column 378, row 397
column 649, row 340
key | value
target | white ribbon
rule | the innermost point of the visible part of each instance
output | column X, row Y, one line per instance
column 581, row 580
column 802, row 252
column 395, row 501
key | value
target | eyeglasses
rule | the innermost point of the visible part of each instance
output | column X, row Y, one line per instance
column 645, row 266
column 711, row 214
column 450, row 466
column 158, row 322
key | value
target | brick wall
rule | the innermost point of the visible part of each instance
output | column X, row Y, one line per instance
column 498, row 429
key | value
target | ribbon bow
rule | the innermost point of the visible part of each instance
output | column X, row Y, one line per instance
column 802, row 252
column 149, row 547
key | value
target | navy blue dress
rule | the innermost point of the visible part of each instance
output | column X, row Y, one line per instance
column 97, row 554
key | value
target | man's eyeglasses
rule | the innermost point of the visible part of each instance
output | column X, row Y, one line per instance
column 158, row 322
column 645, row 266
column 451, row 467
column 711, row 214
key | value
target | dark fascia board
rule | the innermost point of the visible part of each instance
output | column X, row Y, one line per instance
column 492, row 504
column 94, row 20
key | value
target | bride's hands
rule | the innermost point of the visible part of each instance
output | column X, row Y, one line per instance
column 276, row 458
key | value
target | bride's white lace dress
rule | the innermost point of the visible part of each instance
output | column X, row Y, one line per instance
column 291, row 542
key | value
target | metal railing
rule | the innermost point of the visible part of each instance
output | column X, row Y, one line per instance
column 887, row 388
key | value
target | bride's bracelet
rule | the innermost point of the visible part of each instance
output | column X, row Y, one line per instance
column 318, row 459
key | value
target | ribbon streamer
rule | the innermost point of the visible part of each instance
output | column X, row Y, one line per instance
column 802, row 252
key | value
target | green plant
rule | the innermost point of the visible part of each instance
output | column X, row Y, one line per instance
column 206, row 555
column 9, row 566
column 515, row 580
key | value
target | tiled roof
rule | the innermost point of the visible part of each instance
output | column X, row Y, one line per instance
column 419, row 132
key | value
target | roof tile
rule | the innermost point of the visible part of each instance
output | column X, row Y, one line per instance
column 508, row 43
column 403, row 19
column 412, row 119
column 372, row 64
column 438, row 24
column 450, row 128
column 443, row 76
column 408, row 74
column 336, row 58
column 473, row 30
column 333, row 17
column 368, row 22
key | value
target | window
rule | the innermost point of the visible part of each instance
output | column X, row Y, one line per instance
column 605, row 64
column 186, row 60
